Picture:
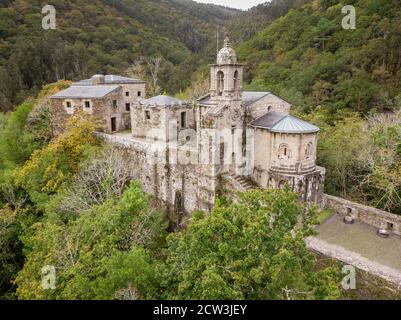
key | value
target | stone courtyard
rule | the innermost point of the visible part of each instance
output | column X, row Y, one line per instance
column 359, row 245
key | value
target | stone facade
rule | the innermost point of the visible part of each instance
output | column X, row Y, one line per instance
column 108, row 98
column 182, row 152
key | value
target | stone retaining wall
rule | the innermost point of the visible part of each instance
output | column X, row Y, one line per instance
column 355, row 259
column 183, row 188
column 371, row 216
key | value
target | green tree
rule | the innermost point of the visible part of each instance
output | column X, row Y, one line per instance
column 52, row 165
column 253, row 249
column 95, row 253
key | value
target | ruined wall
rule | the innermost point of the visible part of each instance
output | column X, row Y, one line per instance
column 101, row 109
column 180, row 186
column 157, row 127
column 371, row 216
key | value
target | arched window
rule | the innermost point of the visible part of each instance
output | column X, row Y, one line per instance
column 220, row 83
column 300, row 185
column 284, row 151
column 309, row 150
column 236, row 80
column 282, row 184
column 222, row 153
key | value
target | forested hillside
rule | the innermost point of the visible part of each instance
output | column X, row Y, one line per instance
column 245, row 26
column 70, row 201
column 308, row 58
column 101, row 36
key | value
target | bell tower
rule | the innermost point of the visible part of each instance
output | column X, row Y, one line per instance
column 226, row 76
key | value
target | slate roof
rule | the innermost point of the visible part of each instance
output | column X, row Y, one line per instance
column 85, row 92
column 110, row 79
column 248, row 97
column 282, row 123
column 162, row 101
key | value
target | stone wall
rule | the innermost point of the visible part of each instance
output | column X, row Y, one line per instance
column 371, row 216
column 270, row 103
column 355, row 259
column 183, row 188
column 102, row 109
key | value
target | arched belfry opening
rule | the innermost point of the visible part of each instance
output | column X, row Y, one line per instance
column 220, row 83
column 236, row 80
column 226, row 75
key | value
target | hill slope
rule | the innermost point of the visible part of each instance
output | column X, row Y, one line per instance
column 95, row 36
column 308, row 58
column 246, row 25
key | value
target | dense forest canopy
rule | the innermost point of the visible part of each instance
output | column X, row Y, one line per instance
column 308, row 58
column 70, row 201
column 102, row 36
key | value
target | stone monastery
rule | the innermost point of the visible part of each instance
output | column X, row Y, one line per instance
column 182, row 152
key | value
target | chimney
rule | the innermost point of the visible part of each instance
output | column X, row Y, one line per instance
column 98, row 79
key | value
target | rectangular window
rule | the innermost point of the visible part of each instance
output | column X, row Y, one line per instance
column 183, row 119
column 147, row 115
column 139, row 93
column 68, row 104
column 87, row 104
column 127, row 107
column 115, row 103
column 127, row 94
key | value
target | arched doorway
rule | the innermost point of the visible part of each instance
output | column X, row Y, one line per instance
column 281, row 184
column 178, row 209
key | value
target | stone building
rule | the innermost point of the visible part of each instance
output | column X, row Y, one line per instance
column 109, row 98
column 183, row 152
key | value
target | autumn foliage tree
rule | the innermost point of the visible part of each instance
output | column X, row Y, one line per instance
column 51, row 166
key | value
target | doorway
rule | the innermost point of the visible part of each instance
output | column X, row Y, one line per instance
column 113, row 124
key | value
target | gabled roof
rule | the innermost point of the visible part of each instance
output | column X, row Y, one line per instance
column 163, row 101
column 110, row 79
column 85, row 92
column 248, row 97
column 282, row 123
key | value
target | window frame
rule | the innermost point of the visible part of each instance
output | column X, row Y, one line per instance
column 183, row 119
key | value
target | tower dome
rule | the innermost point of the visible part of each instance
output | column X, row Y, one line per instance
column 227, row 54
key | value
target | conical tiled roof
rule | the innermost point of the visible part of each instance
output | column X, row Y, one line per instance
column 282, row 123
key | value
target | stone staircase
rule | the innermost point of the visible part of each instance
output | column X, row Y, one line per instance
column 242, row 183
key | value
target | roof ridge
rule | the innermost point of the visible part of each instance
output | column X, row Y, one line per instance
column 283, row 118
